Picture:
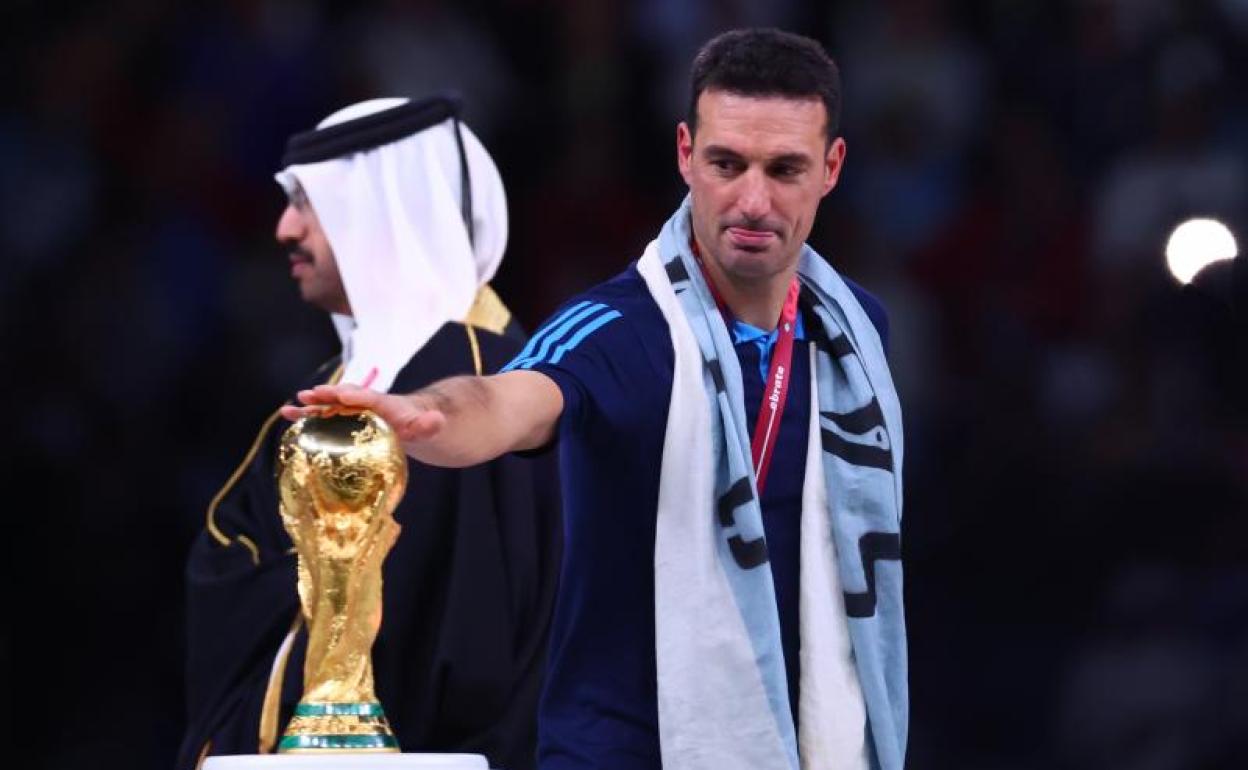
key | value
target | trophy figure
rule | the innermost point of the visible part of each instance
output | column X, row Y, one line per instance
column 339, row 479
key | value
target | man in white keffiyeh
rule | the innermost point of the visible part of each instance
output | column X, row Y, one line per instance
column 394, row 238
column 731, row 451
column 396, row 222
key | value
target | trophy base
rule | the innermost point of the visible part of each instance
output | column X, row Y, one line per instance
column 348, row 761
column 325, row 728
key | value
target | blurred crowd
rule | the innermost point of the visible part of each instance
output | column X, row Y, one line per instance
column 1077, row 426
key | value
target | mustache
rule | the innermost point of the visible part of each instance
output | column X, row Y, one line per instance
column 762, row 225
column 297, row 252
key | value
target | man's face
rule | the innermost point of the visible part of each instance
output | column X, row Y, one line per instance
column 756, row 170
column 312, row 261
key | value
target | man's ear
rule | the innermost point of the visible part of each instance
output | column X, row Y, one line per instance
column 833, row 162
column 684, row 151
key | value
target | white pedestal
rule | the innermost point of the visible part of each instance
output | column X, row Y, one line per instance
column 347, row 761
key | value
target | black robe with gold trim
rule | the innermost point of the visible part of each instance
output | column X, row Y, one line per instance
column 468, row 592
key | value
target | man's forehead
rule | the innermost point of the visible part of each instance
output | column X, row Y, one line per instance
column 768, row 120
column 719, row 101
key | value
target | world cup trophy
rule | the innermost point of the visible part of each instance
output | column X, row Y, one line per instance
column 339, row 479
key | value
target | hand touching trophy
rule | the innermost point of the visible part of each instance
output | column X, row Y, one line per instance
column 339, row 480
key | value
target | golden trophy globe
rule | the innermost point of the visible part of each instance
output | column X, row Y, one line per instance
column 339, row 479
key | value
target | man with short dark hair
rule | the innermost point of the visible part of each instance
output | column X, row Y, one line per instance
column 730, row 445
column 396, row 222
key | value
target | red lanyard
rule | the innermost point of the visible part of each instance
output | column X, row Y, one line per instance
column 776, row 388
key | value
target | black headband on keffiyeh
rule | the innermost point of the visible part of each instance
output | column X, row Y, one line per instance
column 380, row 128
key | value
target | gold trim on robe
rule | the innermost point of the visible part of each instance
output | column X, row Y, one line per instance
column 213, row 529
column 488, row 312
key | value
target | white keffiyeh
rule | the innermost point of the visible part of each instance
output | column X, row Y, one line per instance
column 392, row 216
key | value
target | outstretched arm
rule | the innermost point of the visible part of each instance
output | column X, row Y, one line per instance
column 456, row 422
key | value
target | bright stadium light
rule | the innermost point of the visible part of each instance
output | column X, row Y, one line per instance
column 1195, row 244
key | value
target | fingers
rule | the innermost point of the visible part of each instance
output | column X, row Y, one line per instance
column 292, row 412
column 327, row 400
column 346, row 395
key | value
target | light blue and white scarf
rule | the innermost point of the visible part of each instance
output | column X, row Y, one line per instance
column 722, row 690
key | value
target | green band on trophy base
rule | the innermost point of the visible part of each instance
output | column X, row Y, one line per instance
column 339, row 709
column 356, row 742
column 338, row 726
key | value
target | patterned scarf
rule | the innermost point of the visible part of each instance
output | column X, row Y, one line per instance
column 722, row 690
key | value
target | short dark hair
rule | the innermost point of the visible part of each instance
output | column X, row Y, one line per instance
column 766, row 62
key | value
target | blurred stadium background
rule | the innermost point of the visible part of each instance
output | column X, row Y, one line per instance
column 1077, row 473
